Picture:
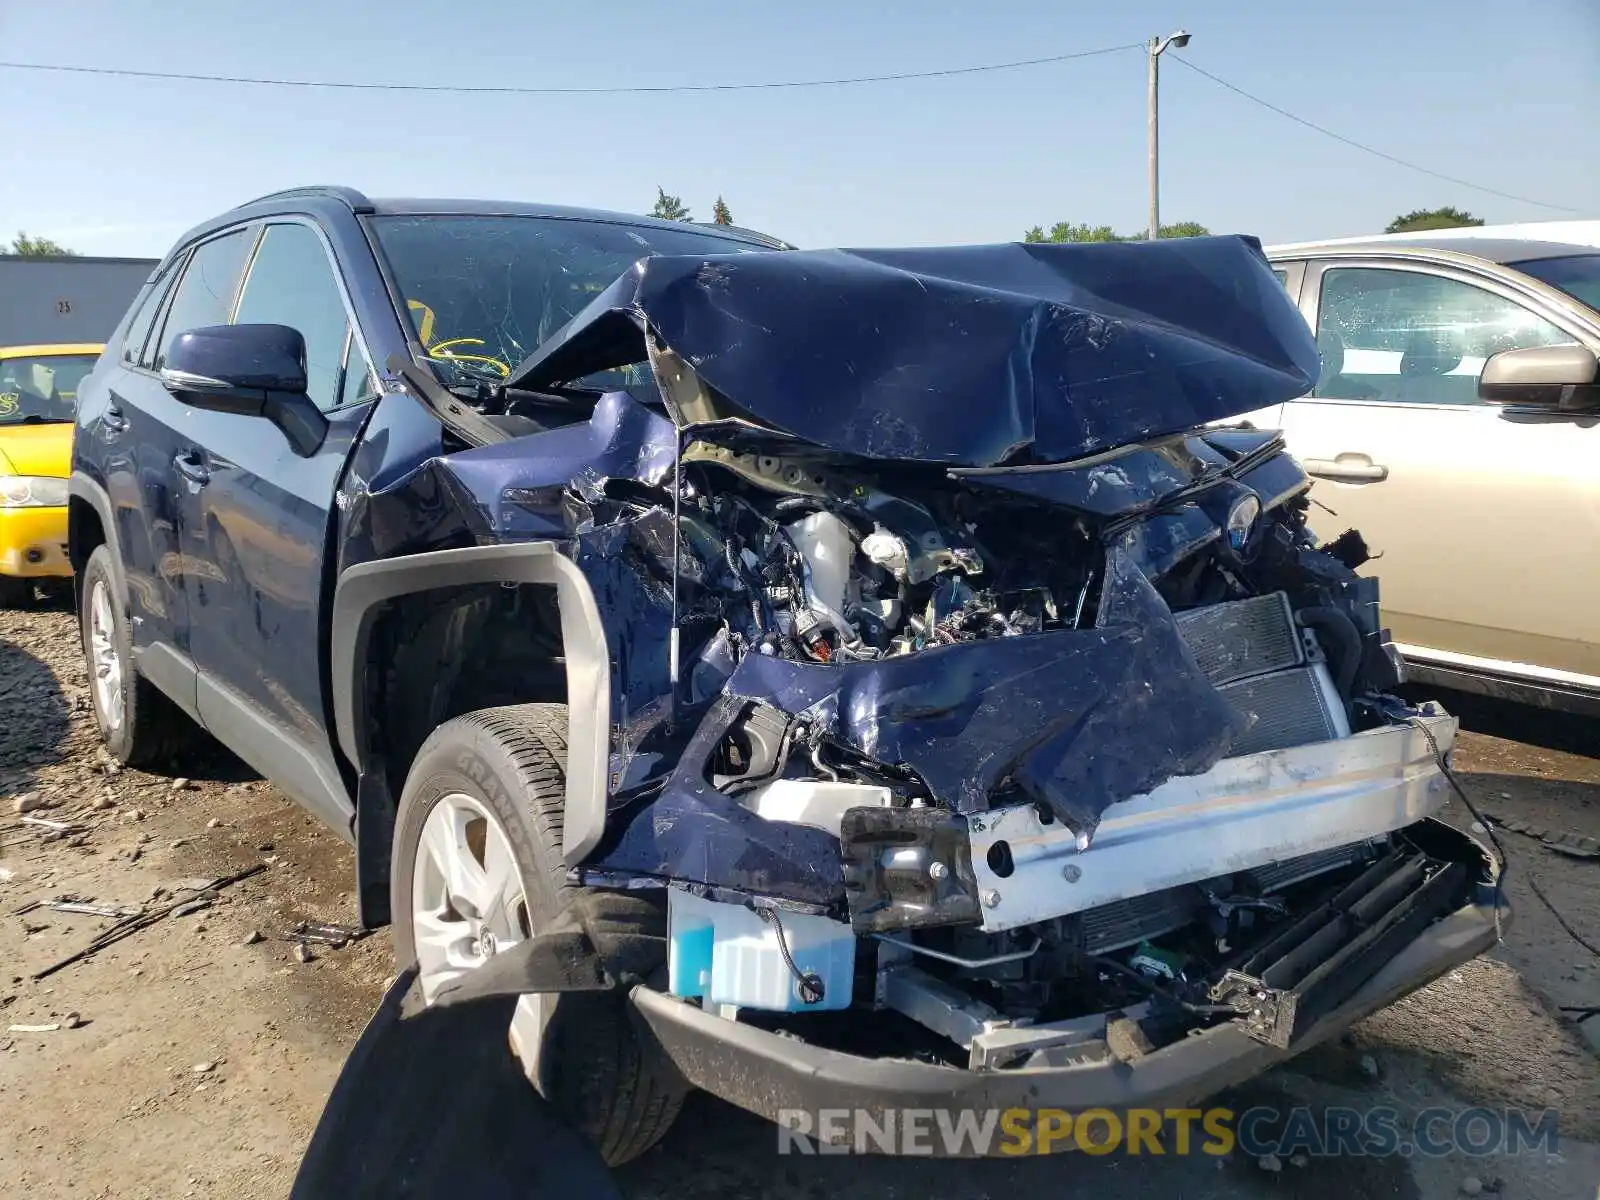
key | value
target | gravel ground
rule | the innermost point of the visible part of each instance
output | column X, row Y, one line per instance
column 204, row 1047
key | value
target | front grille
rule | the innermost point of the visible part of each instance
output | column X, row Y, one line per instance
column 1286, row 708
column 1242, row 637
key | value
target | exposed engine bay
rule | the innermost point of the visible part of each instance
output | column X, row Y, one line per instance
column 998, row 718
column 820, row 565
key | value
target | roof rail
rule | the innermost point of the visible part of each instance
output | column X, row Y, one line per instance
column 775, row 243
column 356, row 202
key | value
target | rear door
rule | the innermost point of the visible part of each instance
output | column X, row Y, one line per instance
column 139, row 432
column 1485, row 518
column 256, row 532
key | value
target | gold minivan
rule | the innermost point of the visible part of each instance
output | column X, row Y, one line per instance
column 1456, row 424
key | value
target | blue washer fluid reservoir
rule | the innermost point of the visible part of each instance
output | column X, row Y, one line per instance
column 726, row 954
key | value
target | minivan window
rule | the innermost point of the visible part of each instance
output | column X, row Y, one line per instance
column 482, row 293
column 1578, row 275
column 1414, row 338
column 291, row 283
column 205, row 293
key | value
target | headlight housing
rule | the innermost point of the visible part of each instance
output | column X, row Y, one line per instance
column 32, row 491
column 1242, row 515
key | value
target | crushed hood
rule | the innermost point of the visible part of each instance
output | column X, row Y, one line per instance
column 966, row 356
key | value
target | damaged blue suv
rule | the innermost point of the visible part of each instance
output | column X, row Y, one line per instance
column 694, row 636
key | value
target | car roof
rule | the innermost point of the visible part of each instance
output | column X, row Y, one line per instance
column 1495, row 250
column 329, row 199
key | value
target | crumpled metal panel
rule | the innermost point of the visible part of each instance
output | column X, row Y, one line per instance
column 1075, row 719
column 518, row 487
column 694, row 834
column 967, row 356
column 1078, row 719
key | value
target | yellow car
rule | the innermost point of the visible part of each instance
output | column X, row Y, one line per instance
column 38, row 401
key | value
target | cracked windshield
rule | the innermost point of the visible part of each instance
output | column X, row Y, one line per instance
column 483, row 293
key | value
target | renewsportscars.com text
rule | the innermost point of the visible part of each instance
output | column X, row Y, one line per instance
column 1334, row 1131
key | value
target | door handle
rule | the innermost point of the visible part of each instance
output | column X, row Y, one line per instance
column 113, row 419
column 1347, row 468
column 192, row 468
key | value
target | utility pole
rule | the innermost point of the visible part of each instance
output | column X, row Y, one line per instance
column 1156, row 47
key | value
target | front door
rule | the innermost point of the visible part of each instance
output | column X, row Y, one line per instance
column 143, row 427
column 255, row 537
column 1485, row 519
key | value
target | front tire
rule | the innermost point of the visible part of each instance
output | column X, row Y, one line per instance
column 477, row 867
column 138, row 724
column 14, row 592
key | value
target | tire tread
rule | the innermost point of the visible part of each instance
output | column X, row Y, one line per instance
column 625, row 1095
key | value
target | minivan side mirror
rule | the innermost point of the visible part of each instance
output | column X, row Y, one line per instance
column 1557, row 379
column 250, row 370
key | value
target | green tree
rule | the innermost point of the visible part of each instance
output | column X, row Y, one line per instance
column 1447, row 217
column 720, row 214
column 37, row 247
column 669, row 208
column 1066, row 231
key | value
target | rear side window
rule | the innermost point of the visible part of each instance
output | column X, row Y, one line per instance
column 139, row 329
column 205, row 293
column 291, row 282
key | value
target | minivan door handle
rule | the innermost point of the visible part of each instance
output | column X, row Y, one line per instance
column 113, row 419
column 192, row 468
column 1347, row 468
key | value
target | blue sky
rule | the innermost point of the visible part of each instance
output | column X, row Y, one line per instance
column 1507, row 95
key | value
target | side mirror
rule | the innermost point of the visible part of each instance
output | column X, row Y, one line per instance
column 250, row 370
column 1557, row 379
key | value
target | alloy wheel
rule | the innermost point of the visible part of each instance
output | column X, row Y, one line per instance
column 105, row 662
column 467, row 899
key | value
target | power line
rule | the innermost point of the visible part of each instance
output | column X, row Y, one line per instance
column 1339, row 137
column 508, row 90
column 769, row 85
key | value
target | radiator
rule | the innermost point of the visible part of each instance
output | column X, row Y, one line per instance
column 1143, row 918
column 1257, row 657
column 1243, row 637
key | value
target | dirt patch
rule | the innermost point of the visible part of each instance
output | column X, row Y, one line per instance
column 116, row 1106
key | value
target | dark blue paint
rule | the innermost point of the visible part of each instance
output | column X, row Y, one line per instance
column 521, row 492
column 248, row 358
column 1145, row 477
column 254, row 541
column 1162, row 541
column 697, row 835
column 958, row 358
column 970, row 356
